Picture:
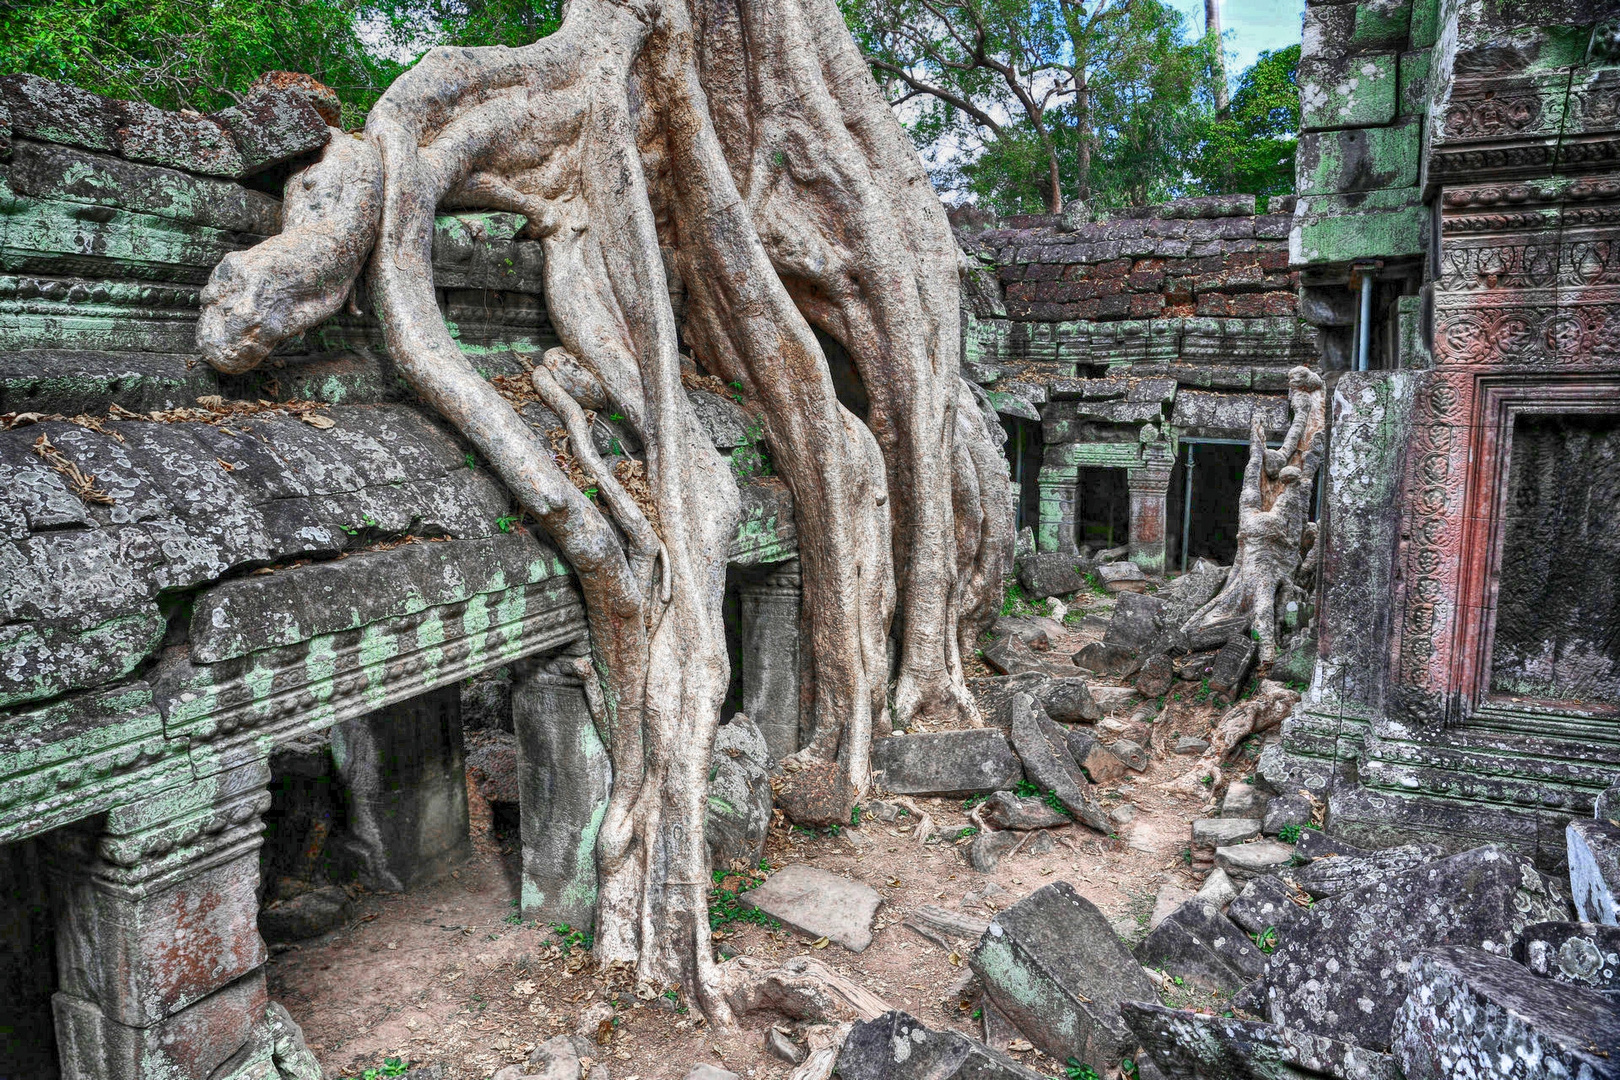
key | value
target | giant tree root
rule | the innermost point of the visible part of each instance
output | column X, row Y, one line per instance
column 723, row 178
column 1265, row 711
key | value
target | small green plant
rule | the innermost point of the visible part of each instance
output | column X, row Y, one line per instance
column 1024, row 790
column 572, row 939
column 834, row 829
column 1075, row 1069
column 506, row 521
column 973, row 800
column 1096, row 584
column 1015, row 603
column 1186, row 856
column 978, row 1014
column 471, row 459
column 1266, row 940
column 752, row 459
column 514, row 917
column 724, row 908
column 1289, row 834
column 589, row 493
column 1206, row 780
column 367, row 522
column 736, row 391
column 616, row 417
column 392, row 1066
column 855, row 816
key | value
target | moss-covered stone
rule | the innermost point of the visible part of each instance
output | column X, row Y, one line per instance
column 1359, row 159
column 1354, row 91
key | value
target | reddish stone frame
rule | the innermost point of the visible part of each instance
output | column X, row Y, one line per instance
column 1499, row 401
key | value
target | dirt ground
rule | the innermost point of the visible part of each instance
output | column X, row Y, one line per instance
column 449, row 975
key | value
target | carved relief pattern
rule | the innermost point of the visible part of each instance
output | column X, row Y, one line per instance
column 1436, row 469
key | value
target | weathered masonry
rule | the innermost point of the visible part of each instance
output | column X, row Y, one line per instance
column 202, row 575
column 1126, row 357
column 1459, row 221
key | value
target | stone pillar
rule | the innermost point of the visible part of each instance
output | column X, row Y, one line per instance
column 1054, row 530
column 1148, row 483
column 564, row 779
column 160, row 962
column 405, row 783
column 769, row 609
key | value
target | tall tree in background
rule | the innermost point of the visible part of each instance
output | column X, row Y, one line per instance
column 1251, row 147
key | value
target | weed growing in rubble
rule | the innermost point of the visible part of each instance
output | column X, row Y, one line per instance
column 1048, row 796
column 1014, row 603
column 1075, row 1069
column 1266, row 940
column 573, row 939
column 1289, row 834
column 390, row 1067
column 724, row 908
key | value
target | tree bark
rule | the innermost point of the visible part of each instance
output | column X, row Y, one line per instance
column 740, row 156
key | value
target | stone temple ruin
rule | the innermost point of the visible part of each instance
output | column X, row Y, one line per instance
column 246, row 619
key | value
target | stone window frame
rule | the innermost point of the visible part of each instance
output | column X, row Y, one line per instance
column 1501, row 400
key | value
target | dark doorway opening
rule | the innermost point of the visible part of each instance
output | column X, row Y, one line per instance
column 1209, row 531
column 27, row 965
column 846, row 380
column 1557, row 630
column 1024, row 452
column 1102, row 509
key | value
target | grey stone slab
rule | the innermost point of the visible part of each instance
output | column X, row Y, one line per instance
column 1316, row 844
column 1054, row 965
column 988, row 846
column 1012, row 655
column 1606, row 807
column 1042, row 746
column 1107, row 658
column 739, row 814
column 1051, row 573
column 995, row 695
column 818, row 903
column 1068, row 700
column 952, row 763
column 1005, row 810
column 1473, row 1013
column 1136, row 622
column 307, row 915
column 1221, row 831
column 1244, row 861
column 1218, row 888
column 1338, row 970
column 1186, row 1045
column 1243, row 800
column 1203, row 948
column 1582, row 953
column 1264, row 902
column 1286, row 810
column 1332, row 875
column 1594, row 870
column 895, row 1046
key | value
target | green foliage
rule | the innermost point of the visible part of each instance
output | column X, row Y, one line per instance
column 1251, row 148
column 752, row 459
column 1075, row 1069
column 966, row 831
column 365, row 524
column 573, row 939
column 1289, row 834
column 392, row 1066
column 1024, row 789
column 506, row 522
column 1015, row 603
column 974, row 800
column 724, row 908
column 1266, row 940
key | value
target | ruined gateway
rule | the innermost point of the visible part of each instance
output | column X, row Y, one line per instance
column 211, row 582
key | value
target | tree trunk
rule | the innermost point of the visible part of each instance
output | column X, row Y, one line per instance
column 1212, row 26
column 740, row 156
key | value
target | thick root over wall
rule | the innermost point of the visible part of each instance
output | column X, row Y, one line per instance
column 727, row 180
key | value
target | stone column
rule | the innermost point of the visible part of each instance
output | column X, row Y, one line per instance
column 160, row 962
column 404, row 777
column 1148, row 483
column 1054, row 531
column 564, row 780
column 769, row 617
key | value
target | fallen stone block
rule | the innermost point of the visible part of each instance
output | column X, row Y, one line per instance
column 1056, row 967
column 778, row 1045
column 1103, row 658
column 1028, row 631
column 1264, row 902
column 1130, row 752
column 1122, row 577
column 1069, row 700
column 739, row 811
column 1186, row 1045
column 1012, row 656
column 1218, row 888
column 705, row 1071
column 305, row 916
column 1330, row 876
column 1231, row 666
column 1594, row 870
column 1189, row 746
column 1051, row 573
column 1246, row 861
column 1004, row 810
column 1202, row 947
column 1156, row 677
column 1136, row 622
column 1115, row 699
column 1471, row 1013
column 1221, row 831
column 1100, row 763
column 995, row 695
column 1338, row 970
column 818, row 903
column 974, row 761
column 1286, row 810
column 896, row 1046
column 1316, row 844
column 1191, row 591
column 1582, row 953
column 1243, row 801
column 1214, row 636
column 1169, row 898
column 988, row 847
column 1042, row 747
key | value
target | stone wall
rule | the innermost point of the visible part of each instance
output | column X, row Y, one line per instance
column 201, row 570
column 1501, row 318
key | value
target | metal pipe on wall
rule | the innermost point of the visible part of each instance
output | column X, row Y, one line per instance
column 1364, row 325
column 1186, row 510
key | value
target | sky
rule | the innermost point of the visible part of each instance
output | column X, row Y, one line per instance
column 1250, row 26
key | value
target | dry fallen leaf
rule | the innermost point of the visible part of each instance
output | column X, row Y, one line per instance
column 955, row 958
column 316, row 420
column 819, row 943
column 1019, row 1046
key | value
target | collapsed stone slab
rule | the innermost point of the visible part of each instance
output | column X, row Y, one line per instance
column 1264, row 902
column 1594, row 870
column 1472, row 1013
column 1582, row 953
column 1051, row 573
column 1054, row 965
column 974, row 761
column 896, row 1046
column 1043, row 748
column 1325, row 877
column 1204, row 948
column 818, row 903
column 1186, row 1045
column 1337, row 971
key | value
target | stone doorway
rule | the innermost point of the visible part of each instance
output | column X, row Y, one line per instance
column 27, row 965
column 1102, row 508
column 1556, row 636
